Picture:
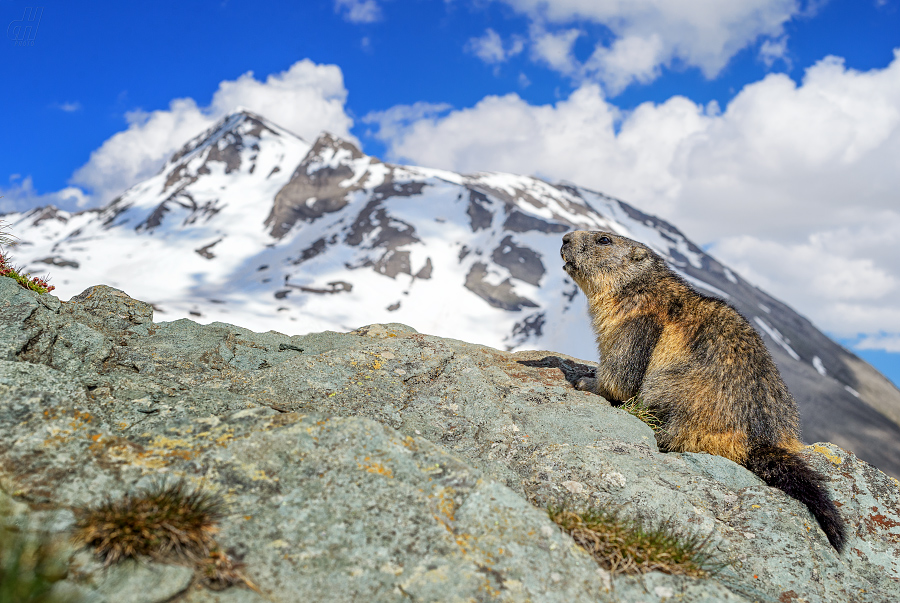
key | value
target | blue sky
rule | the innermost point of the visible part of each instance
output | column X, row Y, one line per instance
column 728, row 120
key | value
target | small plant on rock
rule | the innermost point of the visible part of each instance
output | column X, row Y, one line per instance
column 626, row 546
column 219, row 571
column 164, row 522
column 635, row 406
column 35, row 283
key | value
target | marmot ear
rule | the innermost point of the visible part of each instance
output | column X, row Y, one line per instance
column 637, row 254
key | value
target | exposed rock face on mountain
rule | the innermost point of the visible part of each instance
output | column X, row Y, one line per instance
column 250, row 224
column 388, row 465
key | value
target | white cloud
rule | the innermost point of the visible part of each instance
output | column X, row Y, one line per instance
column 771, row 51
column 794, row 186
column 69, row 107
column 835, row 287
column 573, row 140
column 491, row 49
column 555, row 49
column 888, row 343
column 628, row 60
column 649, row 34
column 138, row 152
column 306, row 99
column 393, row 122
column 21, row 195
column 358, row 11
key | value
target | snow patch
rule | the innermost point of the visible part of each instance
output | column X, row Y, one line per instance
column 817, row 364
column 776, row 336
column 730, row 276
column 701, row 284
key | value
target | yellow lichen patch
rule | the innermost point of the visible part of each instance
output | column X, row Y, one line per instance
column 160, row 452
column 464, row 541
column 443, row 509
column 376, row 365
column 409, row 443
column 223, row 439
column 184, row 455
column 58, row 435
column 835, row 459
column 375, row 467
column 168, row 443
column 80, row 419
column 124, row 452
column 260, row 475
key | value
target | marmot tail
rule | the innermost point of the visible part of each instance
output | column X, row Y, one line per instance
column 788, row 472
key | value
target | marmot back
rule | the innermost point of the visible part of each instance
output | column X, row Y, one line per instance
column 696, row 363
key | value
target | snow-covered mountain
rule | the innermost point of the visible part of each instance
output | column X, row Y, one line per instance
column 251, row 225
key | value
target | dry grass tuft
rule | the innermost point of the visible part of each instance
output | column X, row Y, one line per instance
column 219, row 571
column 625, row 546
column 167, row 523
column 635, row 406
column 163, row 521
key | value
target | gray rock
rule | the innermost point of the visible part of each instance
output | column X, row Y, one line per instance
column 144, row 582
column 655, row 587
column 385, row 464
column 199, row 594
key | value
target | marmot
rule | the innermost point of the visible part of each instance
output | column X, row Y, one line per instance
column 695, row 363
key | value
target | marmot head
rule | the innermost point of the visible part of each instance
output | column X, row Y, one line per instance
column 603, row 262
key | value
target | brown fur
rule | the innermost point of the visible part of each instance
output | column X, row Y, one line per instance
column 695, row 362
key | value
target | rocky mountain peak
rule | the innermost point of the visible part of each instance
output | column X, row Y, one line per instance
column 330, row 147
column 225, row 142
column 233, row 127
column 322, row 182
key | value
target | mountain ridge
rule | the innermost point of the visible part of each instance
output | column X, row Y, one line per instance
column 249, row 223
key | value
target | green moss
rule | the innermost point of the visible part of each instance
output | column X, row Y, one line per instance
column 628, row 546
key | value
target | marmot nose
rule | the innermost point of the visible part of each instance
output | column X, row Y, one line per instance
column 567, row 237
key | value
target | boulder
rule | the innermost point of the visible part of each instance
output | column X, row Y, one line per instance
column 388, row 465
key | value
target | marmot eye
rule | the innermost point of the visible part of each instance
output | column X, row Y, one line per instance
column 604, row 240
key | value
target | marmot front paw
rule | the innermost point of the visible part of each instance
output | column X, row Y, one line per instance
column 586, row 384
